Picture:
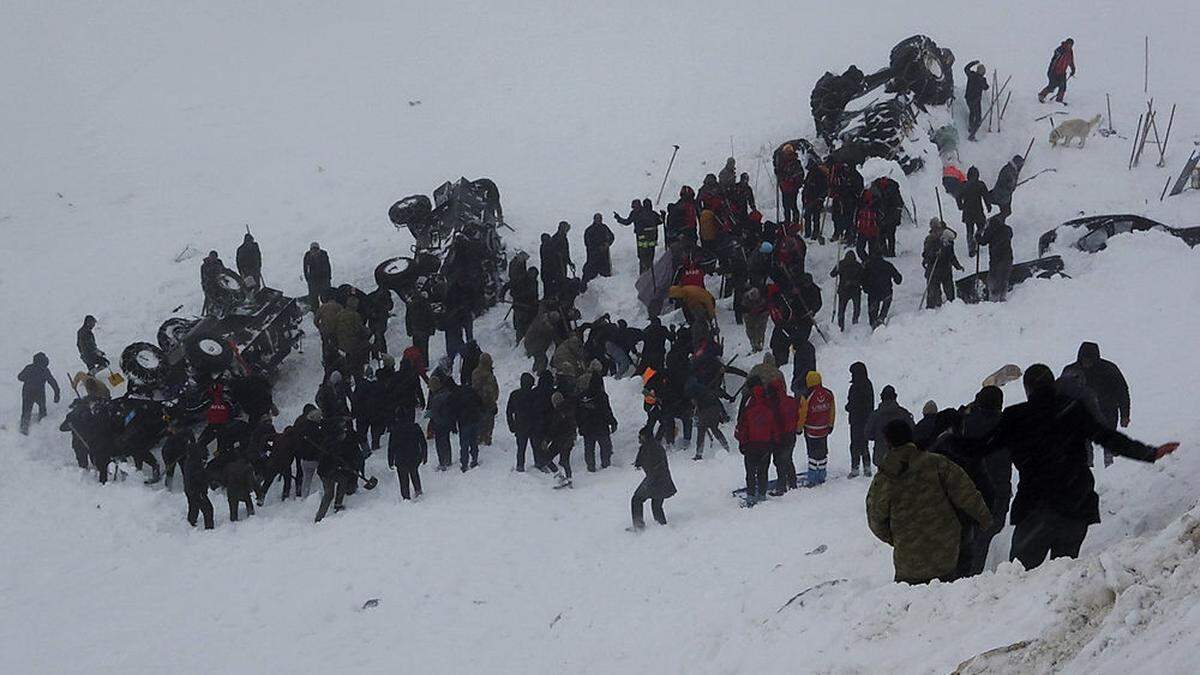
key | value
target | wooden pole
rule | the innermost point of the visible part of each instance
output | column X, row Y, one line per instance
column 1137, row 158
column 1108, row 102
column 993, row 103
column 1146, row 74
column 1133, row 150
column 1162, row 150
column 992, row 107
column 1000, row 117
column 1164, row 192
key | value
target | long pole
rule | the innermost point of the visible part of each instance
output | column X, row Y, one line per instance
column 1108, row 102
column 1146, row 73
column 668, row 173
column 1162, row 150
column 938, row 193
column 1136, row 133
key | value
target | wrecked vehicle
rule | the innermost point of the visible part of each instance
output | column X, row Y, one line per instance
column 1093, row 232
column 919, row 73
column 254, row 331
column 458, row 248
column 973, row 288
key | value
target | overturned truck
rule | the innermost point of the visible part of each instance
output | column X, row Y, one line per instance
column 458, row 255
column 919, row 73
column 249, row 332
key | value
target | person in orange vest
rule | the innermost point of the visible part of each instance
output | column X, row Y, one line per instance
column 815, row 419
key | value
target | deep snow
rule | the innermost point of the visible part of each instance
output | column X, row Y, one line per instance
column 162, row 127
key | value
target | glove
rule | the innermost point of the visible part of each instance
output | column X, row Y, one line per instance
column 56, row 398
column 1124, row 417
column 614, row 426
column 1164, row 450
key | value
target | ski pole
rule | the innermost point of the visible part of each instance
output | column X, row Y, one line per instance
column 668, row 173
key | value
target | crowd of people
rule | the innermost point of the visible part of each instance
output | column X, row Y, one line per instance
column 941, row 485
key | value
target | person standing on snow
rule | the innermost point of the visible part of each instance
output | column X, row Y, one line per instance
column 914, row 505
column 657, row 486
column 34, row 378
column 998, row 238
column 849, row 273
column 318, row 274
column 816, row 418
column 1001, row 193
column 976, row 85
column 789, row 176
column 1108, row 384
column 407, row 451
column 878, row 276
column 1056, row 74
column 815, row 190
column 521, row 413
column 645, row 221
column 249, row 261
column 887, row 411
column 860, row 403
column 939, row 260
column 597, row 239
column 1056, row 500
column 757, row 433
column 972, row 199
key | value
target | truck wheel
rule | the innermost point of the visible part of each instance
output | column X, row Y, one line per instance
column 172, row 332
column 208, row 353
column 144, row 363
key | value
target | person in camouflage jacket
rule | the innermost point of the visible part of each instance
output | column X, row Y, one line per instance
column 914, row 504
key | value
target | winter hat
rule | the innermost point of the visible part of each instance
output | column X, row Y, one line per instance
column 526, row 380
column 888, row 393
column 596, row 366
column 936, row 224
column 981, row 69
column 1038, row 377
column 314, row 246
column 557, row 399
column 930, row 408
column 766, row 247
column 858, row 369
column 315, row 415
column 41, row 359
column 596, row 217
column 1088, row 350
column 335, row 378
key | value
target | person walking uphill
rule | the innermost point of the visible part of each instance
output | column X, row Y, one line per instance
column 849, row 273
column 483, row 381
column 976, row 85
column 523, row 419
column 1105, row 379
column 1056, row 74
column 1056, row 499
column 816, row 417
column 998, row 238
column 860, row 403
column 657, row 486
column 34, row 378
column 914, row 505
column 407, row 451
column 972, row 199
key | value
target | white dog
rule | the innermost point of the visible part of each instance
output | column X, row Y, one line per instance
column 1072, row 129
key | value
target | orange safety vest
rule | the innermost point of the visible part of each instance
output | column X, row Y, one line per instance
column 648, row 394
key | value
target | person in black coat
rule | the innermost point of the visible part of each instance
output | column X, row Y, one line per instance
column 371, row 413
column 657, row 486
column 849, row 273
column 846, row 188
column 655, row 337
column 550, row 262
column 878, row 276
column 377, row 311
column 978, row 420
column 1056, row 499
column 976, row 85
column 195, row 485
column 407, row 451
column 468, row 409
column 597, row 423
column 597, row 239
column 998, row 238
column 812, row 196
column 338, row 468
column 419, row 322
column 524, row 290
column 34, row 378
column 1001, row 193
column 281, row 457
column 318, row 273
column 249, row 261
column 94, row 426
column 253, row 395
column 238, row 478
column 89, row 353
column 175, row 448
column 860, row 403
column 972, row 199
column 891, row 209
column 543, row 399
column 950, row 443
column 523, row 420
column 1107, row 383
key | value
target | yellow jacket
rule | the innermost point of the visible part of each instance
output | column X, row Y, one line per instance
column 695, row 300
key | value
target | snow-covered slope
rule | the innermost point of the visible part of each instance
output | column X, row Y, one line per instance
column 141, row 128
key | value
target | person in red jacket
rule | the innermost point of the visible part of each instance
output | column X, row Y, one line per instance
column 867, row 223
column 1062, row 61
column 785, row 467
column 683, row 216
column 757, row 434
column 815, row 418
column 789, row 174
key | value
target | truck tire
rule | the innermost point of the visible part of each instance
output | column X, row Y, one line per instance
column 208, row 353
column 172, row 332
column 144, row 363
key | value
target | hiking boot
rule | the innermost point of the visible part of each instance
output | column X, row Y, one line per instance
column 853, row 473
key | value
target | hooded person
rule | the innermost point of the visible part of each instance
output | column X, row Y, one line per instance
column 597, row 239
column 1001, row 193
column 758, row 431
column 596, row 422
column 657, row 485
column 976, row 84
column 538, row 338
column 972, row 200
column 561, row 433
column 523, row 418
column 765, row 372
column 483, row 381
column 1105, row 379
column 860, row 403
column 1056, row 499
column 887, row 411
column 407, row 451
column 849, row 273
column 914, row 505
column 89, row 353
column 925, row 431
column 878, row 276
column 816, row 418
column 34, row 378
column 318, row 274
column 998, row 238
column 249, row 261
